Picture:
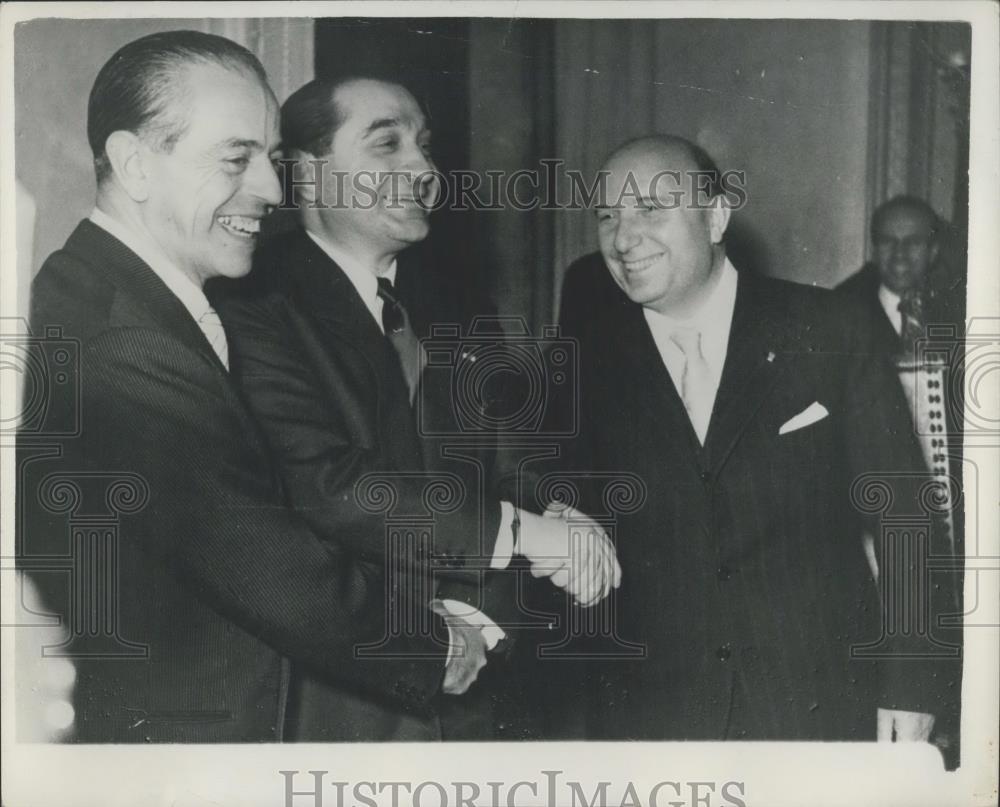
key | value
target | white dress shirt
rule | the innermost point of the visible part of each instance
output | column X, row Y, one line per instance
column 183, row 287
column 713, row 320
column 890, row 304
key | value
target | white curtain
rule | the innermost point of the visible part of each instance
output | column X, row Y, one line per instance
column 285, row 46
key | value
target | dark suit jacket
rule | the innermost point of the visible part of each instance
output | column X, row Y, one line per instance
column 944, row 303
column 325, row 385
column 218, row 584
column 743, row 574
column 944, row 311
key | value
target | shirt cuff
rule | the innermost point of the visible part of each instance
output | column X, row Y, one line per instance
column 503, row 549
column 492, row 633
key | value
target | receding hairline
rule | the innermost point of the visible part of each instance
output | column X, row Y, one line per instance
column 353, row 82
column 905, row 204
column 176, row 96
column 670, row 151
column 313, row 115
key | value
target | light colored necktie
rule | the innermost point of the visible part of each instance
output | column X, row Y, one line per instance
column 211, row 326
column 697, row 390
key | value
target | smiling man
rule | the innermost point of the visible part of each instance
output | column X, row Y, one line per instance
column 754, row 406
column 900, row 285
column 215, row 589
column 327, row 348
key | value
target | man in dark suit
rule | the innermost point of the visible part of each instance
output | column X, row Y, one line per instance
column 904, row 286
column 150, row 512
column 750, row 408
column 916, row 306
column 918, row 315
column 326, row 343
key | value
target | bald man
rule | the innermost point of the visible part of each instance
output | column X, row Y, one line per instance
column 750, row 407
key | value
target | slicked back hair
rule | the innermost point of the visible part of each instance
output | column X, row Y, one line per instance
column 141, row 89
column 311, row 116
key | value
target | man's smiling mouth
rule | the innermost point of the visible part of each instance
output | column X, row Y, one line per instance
column 640, row 264
column 240, row 226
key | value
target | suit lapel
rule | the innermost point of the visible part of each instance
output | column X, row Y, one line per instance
column 322, row 289
column 129, row 272
column 753, row 363
column 144, row 289
column 885, row 332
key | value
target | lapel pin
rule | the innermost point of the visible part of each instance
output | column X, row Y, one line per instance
column 770, row 355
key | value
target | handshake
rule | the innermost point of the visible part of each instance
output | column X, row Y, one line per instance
column 571, row 549
column 563, row 544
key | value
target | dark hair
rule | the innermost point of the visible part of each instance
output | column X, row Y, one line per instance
column 905, row 202
column 138, row 88
column 311, row 116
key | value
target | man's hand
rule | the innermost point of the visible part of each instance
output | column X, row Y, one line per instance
column 572, row 550
column 898, row 726
column 466, row 652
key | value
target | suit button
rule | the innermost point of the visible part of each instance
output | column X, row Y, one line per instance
column 723, row 573
column 723, row 653
column 705, row 476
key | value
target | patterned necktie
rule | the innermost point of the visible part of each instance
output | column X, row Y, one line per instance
column 211, row 326
column 697, row 390
column 911, row 310
column 396, row 324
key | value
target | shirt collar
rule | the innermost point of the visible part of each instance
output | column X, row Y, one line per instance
column 183, row 287
column 890, row 304
column 714, row 312
column 363, row 278
column 889, row 299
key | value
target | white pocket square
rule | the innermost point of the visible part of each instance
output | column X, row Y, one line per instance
column 815, row 411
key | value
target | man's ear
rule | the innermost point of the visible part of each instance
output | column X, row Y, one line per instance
column 718, row 218
column 125, row 153
column 306, row 177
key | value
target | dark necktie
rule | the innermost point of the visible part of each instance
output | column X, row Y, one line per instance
column 399, row 332
column 911, row 309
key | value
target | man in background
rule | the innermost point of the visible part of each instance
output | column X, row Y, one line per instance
column 918, row 318
column 916, row 310
column 902, row 281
